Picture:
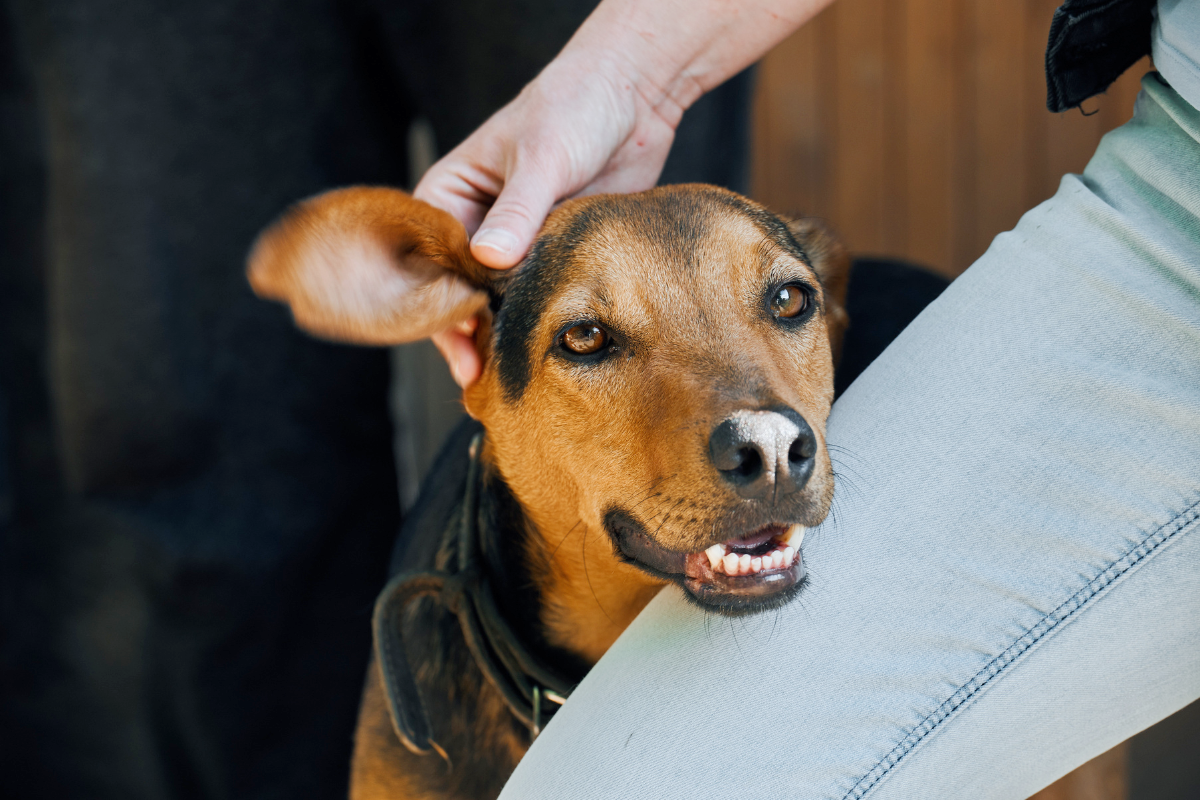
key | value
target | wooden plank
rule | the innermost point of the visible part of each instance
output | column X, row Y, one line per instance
column 930, row 146
column 825, row 27
column 918, row 127
column 1037, row 183
column 966, row 150
column 894, row 211
column 788, row 154
column 997, row 33
column 1103, row 778
column 858, row 157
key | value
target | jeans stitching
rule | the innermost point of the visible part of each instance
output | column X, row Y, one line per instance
column 997, row 665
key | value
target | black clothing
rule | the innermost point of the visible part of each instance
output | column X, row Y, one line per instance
column 196, row 500
column 1091, row 43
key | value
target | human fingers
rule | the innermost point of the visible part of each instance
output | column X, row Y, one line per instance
column 511, row 224
column 453, row 185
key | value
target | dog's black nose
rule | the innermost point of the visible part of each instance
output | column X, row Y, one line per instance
column 766, row 455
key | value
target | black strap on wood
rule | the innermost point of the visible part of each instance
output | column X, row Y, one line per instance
column 521, row 680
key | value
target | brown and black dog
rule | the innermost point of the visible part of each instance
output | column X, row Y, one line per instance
column 657, row 376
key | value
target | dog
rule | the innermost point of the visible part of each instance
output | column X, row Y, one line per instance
column 657, row 376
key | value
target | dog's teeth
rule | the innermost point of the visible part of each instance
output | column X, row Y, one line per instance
column 795, row 536
column 735, row 564
column 715, row 554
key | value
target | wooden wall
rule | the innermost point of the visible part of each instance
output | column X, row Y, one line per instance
column 919, row 128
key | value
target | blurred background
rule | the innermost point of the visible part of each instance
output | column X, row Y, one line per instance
column 919, row 127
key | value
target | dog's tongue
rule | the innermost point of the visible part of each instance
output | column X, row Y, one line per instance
column 763, row 536
column 773, row 548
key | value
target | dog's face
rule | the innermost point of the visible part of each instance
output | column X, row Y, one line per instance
column 660, row 369
column 657, row 377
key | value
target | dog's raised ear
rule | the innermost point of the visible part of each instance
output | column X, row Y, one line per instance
column 369, row 265
column 832, row 265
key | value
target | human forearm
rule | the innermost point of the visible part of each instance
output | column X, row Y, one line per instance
column 674, row 51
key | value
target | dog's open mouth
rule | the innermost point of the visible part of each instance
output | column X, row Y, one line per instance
column 773, row 548
column 738, row 575
column 745, row 573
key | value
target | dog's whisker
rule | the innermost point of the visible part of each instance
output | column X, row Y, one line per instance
column 658, row 494
column 837, row 448
column 588, row 577
column 842, row 471
column 564, row 538
column 650, row 491
column 843, row 480
column 668, row 516
column 654, row 511
column 733, row 630
column 654, row 488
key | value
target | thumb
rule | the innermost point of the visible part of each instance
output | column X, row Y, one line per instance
column 508, row 230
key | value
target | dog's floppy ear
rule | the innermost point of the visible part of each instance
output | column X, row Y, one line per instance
column 832, row 265
column 369, row 265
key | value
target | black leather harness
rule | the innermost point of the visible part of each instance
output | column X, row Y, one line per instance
column 531, row 690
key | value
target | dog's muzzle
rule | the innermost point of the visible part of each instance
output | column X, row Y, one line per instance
column 742, row 575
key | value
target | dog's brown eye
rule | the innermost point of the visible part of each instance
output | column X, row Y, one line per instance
column 789, row 301
column 585, row 339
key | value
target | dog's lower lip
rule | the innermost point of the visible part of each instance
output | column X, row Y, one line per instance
column 737, row 575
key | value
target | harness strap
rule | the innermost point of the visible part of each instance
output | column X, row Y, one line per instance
column 522, row 681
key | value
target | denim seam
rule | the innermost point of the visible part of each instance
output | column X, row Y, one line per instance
column 1048, row 624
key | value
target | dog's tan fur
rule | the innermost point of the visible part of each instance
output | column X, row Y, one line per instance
column 680, row 273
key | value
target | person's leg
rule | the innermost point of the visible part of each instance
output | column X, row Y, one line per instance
column 1008, row 584
column 204, row 496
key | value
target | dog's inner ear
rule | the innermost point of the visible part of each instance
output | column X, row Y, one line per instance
column 832, row 265
column 370, row 265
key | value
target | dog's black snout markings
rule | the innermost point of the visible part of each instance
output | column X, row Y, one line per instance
column 764, row 455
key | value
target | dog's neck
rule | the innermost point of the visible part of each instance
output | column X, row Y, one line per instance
column 518, row 580
column 584, row 595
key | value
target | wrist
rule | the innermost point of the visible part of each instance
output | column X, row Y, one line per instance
column 668, row 53
column 616, row 48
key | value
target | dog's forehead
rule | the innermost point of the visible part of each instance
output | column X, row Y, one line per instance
column 609, row 245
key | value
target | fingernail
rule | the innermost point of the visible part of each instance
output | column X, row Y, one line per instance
column 497, row 239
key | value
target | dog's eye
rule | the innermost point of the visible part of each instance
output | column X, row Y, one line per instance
column 790, row 300
column 585, row 339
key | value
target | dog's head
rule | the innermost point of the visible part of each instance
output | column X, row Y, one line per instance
column 657, row 372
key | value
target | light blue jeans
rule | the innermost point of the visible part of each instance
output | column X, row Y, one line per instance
column 1009, row 583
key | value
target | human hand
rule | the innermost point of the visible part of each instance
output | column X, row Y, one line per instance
column 575, row 130
column 600, row 118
